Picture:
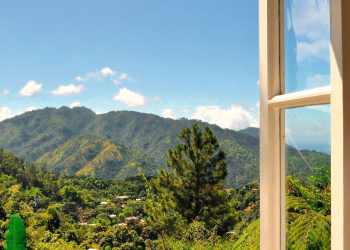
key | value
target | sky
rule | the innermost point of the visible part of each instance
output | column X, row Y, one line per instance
column 186, row 58
column 195, row 59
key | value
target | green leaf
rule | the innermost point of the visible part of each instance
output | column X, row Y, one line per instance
column 16, row 234
column 310, row 231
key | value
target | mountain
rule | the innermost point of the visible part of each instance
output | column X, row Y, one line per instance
column 154, row 134
column 34, row 133
column 251, row 131
column 91, row 155
column 78, row 142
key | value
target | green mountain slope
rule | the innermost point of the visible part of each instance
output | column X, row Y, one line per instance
column 32, row 134
column 91, row 155
column 154, row 134
column 77, row 141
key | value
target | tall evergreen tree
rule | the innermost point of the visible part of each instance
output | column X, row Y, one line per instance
column 194, row 184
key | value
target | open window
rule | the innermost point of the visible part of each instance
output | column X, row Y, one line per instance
column 303, row 64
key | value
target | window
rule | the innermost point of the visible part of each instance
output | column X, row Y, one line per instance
column 291, row 86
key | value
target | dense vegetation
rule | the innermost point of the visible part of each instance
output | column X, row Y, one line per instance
column 185, row 207
column 83, row 212
column 100, row 158
column 77, row 141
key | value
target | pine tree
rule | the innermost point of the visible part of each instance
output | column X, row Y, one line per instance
column 16, row 234
column 194, row 184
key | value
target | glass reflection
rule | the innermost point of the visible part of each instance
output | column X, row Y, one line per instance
column 307, row 171
column 307, row 38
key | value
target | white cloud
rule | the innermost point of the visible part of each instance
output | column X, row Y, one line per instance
column 97, row 75
column 31, row 108
column 31, row 88
column 317, row 80
column 311, row 19
column 66, row 90
column 107, row 72
column 5, row 92
column 103, row 73
column 311, row 23
column 122, row 77
column 186, row 111
column 168, row 113
column 313, row 50
column 75, row 105
column 130, row 98
column 235, row 117
column 80, row 79
column 5, row 113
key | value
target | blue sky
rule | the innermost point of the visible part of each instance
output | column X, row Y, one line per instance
column 185, row 58
column 172, row 56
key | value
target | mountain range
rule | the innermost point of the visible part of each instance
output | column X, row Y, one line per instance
column 111, row 146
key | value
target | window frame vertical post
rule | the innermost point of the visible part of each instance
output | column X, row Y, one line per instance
column 340, row 115
column 270, row 146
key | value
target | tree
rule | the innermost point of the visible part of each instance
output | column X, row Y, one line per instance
column 193, row 186
column 16, row 234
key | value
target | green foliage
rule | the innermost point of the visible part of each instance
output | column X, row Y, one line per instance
column 310, row 231
column 66, row 213
column 250, row 237
column 100, row 158
column 193, row 188
column 308, row 207
column 16, row 234
column 52, row 206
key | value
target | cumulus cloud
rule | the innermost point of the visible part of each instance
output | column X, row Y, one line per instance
column 168, row 113
column 97, row 75
column 31, row 88
column 106, row 71
column 234, row 117
column 75, row 105
column 130, row 98
column 5, row 113
column 5, row 92
column 65, row 90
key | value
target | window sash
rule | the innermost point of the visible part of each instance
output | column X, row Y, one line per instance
column 272, row 105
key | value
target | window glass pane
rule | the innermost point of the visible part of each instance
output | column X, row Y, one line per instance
column 306, row 47
column 308, row 188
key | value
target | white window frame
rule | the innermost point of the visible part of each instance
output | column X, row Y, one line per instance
column 272, row 105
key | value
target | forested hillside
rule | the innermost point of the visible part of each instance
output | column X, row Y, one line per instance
column 159, row 212
column 91, row 155
column 83, row 212
column 77, row 141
